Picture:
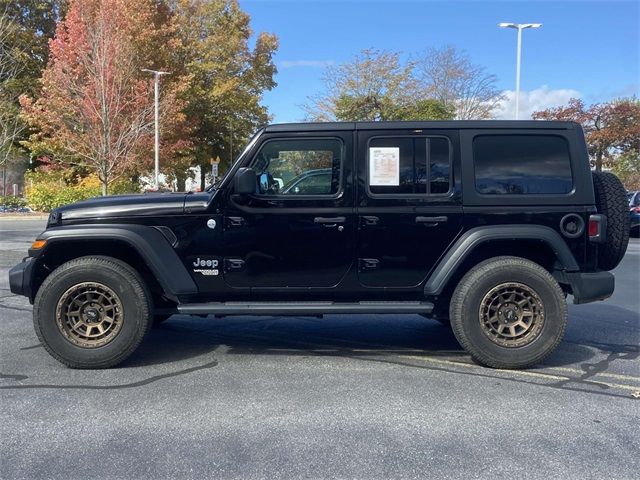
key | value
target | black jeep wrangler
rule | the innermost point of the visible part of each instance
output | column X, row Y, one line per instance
column 486, row 225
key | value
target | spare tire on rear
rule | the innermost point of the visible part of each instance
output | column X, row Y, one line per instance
column 611, row 201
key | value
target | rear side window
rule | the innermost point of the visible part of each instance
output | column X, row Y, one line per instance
column 522, row 164
column 409, row 165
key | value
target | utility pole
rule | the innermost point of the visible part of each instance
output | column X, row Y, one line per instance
column 156, row 89
column 519, row 27
column 230, row 143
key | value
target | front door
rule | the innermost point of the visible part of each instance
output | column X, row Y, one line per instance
column 297, row 231
column 409, row 204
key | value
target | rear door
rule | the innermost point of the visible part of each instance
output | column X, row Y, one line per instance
column 409, row 204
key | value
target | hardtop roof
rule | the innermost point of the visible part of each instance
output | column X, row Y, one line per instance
column 419, row 125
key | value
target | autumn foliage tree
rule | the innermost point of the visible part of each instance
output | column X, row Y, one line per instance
column 25, row 29
column 11, row 67
column 96, row 106
column 227, row 76
column 611, row 129
column 374, row 86
column 449, row 76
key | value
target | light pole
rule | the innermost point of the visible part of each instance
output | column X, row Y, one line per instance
column 156, row 77
column 519, row 27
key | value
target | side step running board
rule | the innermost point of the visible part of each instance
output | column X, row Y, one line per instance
column 301, row 308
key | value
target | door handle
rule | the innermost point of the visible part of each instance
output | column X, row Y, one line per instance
column 233, row 264
column 333, row 220
column 235, row 221
column 369, row 220
column 433, row 220
column 365, row 264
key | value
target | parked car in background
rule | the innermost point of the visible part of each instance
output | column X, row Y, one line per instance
column 13, row 204
column 14, row 209
column 311, row 182
column 634, row 213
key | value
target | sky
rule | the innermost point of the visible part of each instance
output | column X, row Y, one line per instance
column 585, row 49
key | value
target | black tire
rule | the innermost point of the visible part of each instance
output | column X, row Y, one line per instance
column 468, row 301
column 611, row 201
column 117, row 281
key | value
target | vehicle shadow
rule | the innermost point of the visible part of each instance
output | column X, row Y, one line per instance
column 183, row 337
column 599, row 329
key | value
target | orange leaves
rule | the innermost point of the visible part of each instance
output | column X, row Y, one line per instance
column 96, row 107
column 610, row 128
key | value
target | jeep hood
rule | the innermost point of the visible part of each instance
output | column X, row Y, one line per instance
column 138, row 205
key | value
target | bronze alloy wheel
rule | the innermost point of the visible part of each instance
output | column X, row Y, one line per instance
column 512, row 315
column 89, row 314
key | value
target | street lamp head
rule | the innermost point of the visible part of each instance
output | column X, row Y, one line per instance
column 519, row 25
column 155, row 72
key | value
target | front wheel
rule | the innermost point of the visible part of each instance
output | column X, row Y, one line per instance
column 92, row 312
column 508, row 312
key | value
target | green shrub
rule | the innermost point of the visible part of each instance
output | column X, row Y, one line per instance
column 46, row 190
column 12, row 202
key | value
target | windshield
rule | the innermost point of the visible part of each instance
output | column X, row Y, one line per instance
column 218, row 182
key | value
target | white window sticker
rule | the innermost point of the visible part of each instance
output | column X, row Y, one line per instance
column 384, row 166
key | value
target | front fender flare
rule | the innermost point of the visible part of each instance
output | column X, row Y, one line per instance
column 471, row 239
column 148, row 242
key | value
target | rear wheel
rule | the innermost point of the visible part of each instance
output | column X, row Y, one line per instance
column 92, row 312
column 508, row 312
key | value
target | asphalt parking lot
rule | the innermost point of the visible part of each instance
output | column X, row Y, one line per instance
column 365, row 396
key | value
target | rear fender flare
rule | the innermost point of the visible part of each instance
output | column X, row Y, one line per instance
column 471, row 239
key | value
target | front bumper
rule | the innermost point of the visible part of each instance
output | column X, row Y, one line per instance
column 20, row 277
column 588, row 287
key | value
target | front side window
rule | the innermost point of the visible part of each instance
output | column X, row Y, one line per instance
column 409, row 165
column 522, row 164
column 299, row 167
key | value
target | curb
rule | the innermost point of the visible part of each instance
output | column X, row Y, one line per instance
column 6, row 217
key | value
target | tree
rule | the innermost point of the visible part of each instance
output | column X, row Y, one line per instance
column 610, row 129
column 374, row 86
column 449, row 76
column 627, row 168
column 227, row 77
column 11, row 127
column 33, row 25
column 25, row 29
column 96, row 108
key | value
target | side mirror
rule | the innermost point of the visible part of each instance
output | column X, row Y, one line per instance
column 244, row 181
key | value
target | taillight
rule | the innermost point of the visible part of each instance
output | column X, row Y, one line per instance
column 597, row 227
column 635, row 209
